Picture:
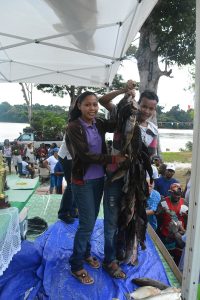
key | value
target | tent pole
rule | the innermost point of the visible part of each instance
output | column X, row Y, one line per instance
column 192, row 255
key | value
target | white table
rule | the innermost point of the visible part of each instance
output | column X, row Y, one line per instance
column 10, row 240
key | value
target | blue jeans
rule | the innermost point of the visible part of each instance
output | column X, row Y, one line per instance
column 68, row 204
column 53, row 180
column 111, row 203
column 88, row 198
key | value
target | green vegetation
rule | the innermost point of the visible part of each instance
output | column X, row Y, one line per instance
column 45, row 119
column 74, row 91
column 182, row 157
column 175, row 118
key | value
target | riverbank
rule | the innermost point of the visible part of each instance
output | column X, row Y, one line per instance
column 179, row 157
column 182, row 161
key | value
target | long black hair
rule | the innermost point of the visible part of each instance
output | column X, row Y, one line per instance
column 75, row 112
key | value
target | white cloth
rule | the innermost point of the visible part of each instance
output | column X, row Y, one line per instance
column 17, row 159
column 10, row 239
column 63, row 151
column 155, row 173
column 24, row 167
column 7, row 151
column 52, row 161
column 30, row 154
column 148, row 138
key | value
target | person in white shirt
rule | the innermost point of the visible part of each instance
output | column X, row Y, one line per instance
column 27, row 169
column 29, row 152
column 68, row 207
column 7, row 153
column 50, row 163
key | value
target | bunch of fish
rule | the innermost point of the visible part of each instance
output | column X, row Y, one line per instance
column 152, row 293
column 153, row 290
column 132, row 217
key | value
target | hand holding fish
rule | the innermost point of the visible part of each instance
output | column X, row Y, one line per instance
column 131, row 84
column 119, row 159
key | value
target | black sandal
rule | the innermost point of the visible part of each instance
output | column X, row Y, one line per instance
column 114, row 270
column 83, row 277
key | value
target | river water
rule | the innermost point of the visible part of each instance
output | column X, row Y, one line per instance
column 172, row 139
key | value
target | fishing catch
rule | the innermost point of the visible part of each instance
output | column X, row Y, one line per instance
column 145, row 281
column 153, row 293
column 132, row 218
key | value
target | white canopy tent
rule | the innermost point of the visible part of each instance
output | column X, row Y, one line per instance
column 79, row 42
column 82, row 42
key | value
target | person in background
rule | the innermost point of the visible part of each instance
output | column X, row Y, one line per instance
column 85, row 138
column 27, row 168
column 112, row 194
column 172, row 220
column 163, row 183
column 162, row 169
column 51, row 149
column 30, row 153
column 186, row 192
column 50, row 163
column 7, row 153
column 58, row 171
column 42, row 152
column 152, row 205
column 68, row 209
column 16, row 156
column 157, row 161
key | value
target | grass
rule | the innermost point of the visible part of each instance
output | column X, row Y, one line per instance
column 181, row 157
column 178, row 157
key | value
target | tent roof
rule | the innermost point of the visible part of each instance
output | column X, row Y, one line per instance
column 78, row 42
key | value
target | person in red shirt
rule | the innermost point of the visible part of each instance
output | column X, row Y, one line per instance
column 172, row 220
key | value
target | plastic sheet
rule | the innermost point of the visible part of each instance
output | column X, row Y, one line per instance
column 41, row 269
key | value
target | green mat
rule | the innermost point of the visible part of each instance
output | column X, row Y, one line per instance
column 45, row 207
column 19, row 195
column 23, row 183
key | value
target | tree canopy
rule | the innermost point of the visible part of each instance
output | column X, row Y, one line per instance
column 168, row 34
column 54, row 118
column 73, row 92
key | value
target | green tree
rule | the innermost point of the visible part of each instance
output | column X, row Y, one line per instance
column 73, row 92
column 167, row 34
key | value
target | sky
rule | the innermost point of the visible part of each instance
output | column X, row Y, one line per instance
column 171, row 91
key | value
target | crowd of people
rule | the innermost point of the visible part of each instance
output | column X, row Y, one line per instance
column 85, row 159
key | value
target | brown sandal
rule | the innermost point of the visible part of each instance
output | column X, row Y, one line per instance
column 114, row 270
column 83, row 277
column 93, row 262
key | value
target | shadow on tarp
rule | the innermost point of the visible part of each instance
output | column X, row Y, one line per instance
column 41, row 269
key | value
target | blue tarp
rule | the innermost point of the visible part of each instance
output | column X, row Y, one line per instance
column 41, row 269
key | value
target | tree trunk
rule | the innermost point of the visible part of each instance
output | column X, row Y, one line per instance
column 27, row 94
column 147, row 59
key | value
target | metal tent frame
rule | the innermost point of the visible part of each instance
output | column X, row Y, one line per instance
column 77, row 42
column 191, row 270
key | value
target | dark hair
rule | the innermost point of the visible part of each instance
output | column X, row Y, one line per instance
column 75, row 112
column 150, row 95
column 25, row 158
